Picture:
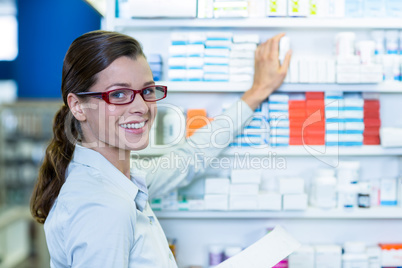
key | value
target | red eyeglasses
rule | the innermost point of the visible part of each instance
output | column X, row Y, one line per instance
column 126, row 95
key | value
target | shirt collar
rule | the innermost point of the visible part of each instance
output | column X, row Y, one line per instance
column 134, row 188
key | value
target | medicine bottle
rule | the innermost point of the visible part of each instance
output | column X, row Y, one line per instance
column 363, row 197
column 173, row 126
column 324, row 188
column 215, row 255
column 354, row 255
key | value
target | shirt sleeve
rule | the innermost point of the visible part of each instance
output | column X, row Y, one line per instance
column 184, row 163
column 100, row 234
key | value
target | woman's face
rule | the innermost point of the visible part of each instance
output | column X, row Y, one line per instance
column 120, row 126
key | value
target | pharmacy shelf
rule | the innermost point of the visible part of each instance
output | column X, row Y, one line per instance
column 325, row 23
column 311, row 213
column 209, row 87
column 264, row 151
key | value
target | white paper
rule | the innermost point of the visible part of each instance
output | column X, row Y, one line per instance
column 264, row 253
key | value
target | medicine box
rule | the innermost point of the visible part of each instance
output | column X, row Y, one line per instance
column 328, row 256
column 157, row 8
column 243, row 202
column 291, row 185
column 246, row 176
column 295, row 202
column 270, row 201
column 216, row 201
column 302, row 258
column 217, row 185
column 391, row 255
column 244, row 189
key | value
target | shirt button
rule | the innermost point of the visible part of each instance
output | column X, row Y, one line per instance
column 150, row 222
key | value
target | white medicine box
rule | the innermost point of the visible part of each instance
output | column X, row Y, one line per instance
column 160, row 8
column 294, row 202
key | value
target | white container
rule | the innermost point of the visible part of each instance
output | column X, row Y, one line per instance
column 269, row 201
column 217, row 186
column 348, row 172
column 243, row 189
column 355, row 255
column 379, row 39
column 374, row 256
column 302, row 258
column 284, row 46
column 389, row 191
column 294, row 202
column 155, row 8
column 291, row 185
column 246, row 176
column 216, row 201
column 391, row 41
column 324, row 189
column 215, row 253
column 345, row 43
column 355, row 261
column 347, row 196
column 366, row 50
column 173, row 126
column 328, row 256
column 243, row 202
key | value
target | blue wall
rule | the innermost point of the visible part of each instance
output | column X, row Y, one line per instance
column 46, row 30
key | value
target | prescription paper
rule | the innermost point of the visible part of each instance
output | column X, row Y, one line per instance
column 264, row 253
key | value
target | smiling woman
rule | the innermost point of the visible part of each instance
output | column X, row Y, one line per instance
column 94, row 208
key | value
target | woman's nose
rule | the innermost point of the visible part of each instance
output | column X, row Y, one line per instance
column 138, row 105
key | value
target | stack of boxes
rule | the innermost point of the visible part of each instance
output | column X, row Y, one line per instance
column 155, row 63
column 352, row 114
column 244, row 188
column 334, row 124
column 186, row 59
column 297, row 117
column 278, row 114
column 336, row 119
column 372, row 122
column 196, row 118
column 293, row 195
column 195, row 56
column 256, row 132
column 314, row 126
column 241, row 65
column 212, row 56
column 216, row 61
column 216, row 193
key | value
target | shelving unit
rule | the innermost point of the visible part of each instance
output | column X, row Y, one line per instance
column 211, row 87
column 262, row 23
column 369, row 150
column 245, row 227
column 311, row 213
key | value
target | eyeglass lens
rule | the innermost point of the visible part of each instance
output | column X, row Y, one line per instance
column 125, row 95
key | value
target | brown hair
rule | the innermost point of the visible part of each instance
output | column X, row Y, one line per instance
column 86, row 57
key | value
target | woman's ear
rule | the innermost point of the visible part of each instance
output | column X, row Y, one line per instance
column 75, row 107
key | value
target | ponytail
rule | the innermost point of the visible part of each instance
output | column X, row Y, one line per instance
column 57, row 158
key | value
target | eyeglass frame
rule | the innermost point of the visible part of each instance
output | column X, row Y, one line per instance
column 105, row 95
